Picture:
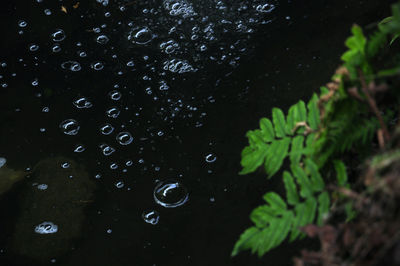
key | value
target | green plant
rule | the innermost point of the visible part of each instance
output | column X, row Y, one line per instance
column 312, row 137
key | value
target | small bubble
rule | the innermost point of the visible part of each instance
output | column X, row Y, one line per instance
column 115, row 95
column 82, row 102
column 65, row 165
column 73, row 66
column 113, row 112
column 109, row 231
column 113, row 166
column 97, row 66
column 106, row 149
column 102, row 39
column 56, row 48
column 22, row 23
column 70, row 127
column 58, row 35
column 120, row 184
column 151, row 217
column 124, row 138
column 79, row 148
column 106, row 129
column 47, row 12
column 33, row 47
column 42, row 186
column 210, row 158
column 129, row 163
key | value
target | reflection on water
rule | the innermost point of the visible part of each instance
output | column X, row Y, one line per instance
column 151, row 99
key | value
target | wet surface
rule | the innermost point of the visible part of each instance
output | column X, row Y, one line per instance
column 153, row 99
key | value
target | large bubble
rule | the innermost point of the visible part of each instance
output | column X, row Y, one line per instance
column 170, row 194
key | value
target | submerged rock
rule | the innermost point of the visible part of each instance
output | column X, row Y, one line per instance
column 51, row 219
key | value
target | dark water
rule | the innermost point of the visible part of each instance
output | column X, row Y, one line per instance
column 180, row 82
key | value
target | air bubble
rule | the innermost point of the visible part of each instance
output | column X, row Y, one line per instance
column 79, row 148
column 140, row 35
column 56, row 48
column 47, row 12
column 106, row 149
column 70, row 127
column 151, row 217
column 22, row 23
column 115, row 95
column 102, row 39
column 120, row 184
column 33, row 47
column 210, row 158
column 71, row 65
column 46, row 228
column 65, row 165
column 97, row 66
column 170, row 194
column 82, row 102
column 113, row 112
column 106, row 129
column 42, row 186
column 124, row 138
column 58, row 35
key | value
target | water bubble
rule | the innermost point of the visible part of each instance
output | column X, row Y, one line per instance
column 2, row 161
column 130, row 64
column 151, row 217
column 169, row 47
column 115, row 95
column 58, row 35
column 179, row 8
column 140, row 35
column 22, row 23
column 113, row 166
column 65, row 165
column 120, row 184
column 35, row 82
column 46, row 228
column 97, row 65
column 106, row 149
column 106, row 129
column 103, row 2
column 79, row 148
column 42, row 186
column 82, row 102
column 70, row 127
column 113, row 112
column 178, row 66
column 56, row 48
column 33, row 47
column 210, row 158
column 170, row 194
column 129, row 163
column 163, row 85
column 71, row 65
column 82, row 54
column 124, row 138
column 266, row 8
column 102, row 39
column 47, row 12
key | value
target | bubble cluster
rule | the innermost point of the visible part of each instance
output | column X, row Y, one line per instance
column 46, row 228
column 178, row 66
column 82, row 102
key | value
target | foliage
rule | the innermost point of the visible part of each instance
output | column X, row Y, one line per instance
column 312, row 137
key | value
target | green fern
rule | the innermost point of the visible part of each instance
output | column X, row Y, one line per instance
column 270, row 144
column 276, row 221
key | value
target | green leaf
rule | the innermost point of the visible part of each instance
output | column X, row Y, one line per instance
column 279, row 122
column 297, row 113
column 340, row 172
column 275, row 201
column 291, row 189
column 323, row 206
column 255, row 137
column 252, row 158
column 297, row 149
column 275, row 156
column 350, row 212
column 247, row 240
column 304, row 214
column 267, row 130
column 303, row 181
column 276, row 233
column 262, row 215
column 315, row 177
column 357, row 41
column 388, row 72
column 313, row 113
